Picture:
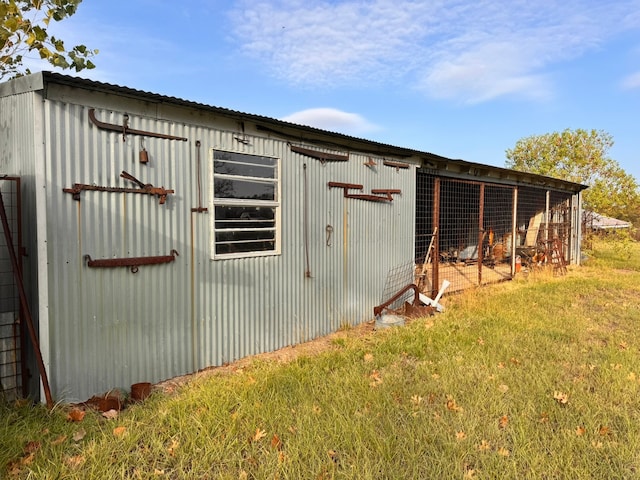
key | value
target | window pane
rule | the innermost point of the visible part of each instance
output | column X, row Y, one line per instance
column 233, row 217
column 227, row 248
column 244, row 165
column 245, row 189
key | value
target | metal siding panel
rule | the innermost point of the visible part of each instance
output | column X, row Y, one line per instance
column 112, row 328
column 17, row 157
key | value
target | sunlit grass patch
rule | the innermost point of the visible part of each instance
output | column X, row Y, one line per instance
column 535, row 378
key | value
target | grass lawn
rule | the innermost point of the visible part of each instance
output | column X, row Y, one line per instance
column 534, row 378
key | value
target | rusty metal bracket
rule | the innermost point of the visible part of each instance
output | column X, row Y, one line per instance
column 416, row 300
column 396, row 165
column 387, row 191
column 322, row 156
column 145, row 189
column 375, row 196
column 125, row 130
column 132, row 262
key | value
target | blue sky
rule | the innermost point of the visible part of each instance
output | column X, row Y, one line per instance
column 462, row 78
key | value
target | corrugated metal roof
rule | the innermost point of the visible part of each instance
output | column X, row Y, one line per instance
column 307, row 133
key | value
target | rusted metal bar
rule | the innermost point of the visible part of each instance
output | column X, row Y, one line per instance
column 132, row 262
column 145, row 189
column 387, row 191
column 369, row 198
column 364, row 196
column 25, row 305
column 346, row 186
column 412, row 286
column 322, row 156
column 125, row 130
column 395, row 165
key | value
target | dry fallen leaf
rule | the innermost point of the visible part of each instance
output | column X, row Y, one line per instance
column 171, row 449
column 59, row 440
column 561, row 398
column 276, row 442
column 74, row 461
column 28, row 460
column 368, row 357
column 110, row 414
column 503, row 421
column 76, row 415
column 503, row 452
column 580, row 431
column 503, row 388
column 484, row 446
column 376, row 379
column 259, row 435
column 452, row 405
column 604, row 430
column 460, row 435
column 333, row 455
column 32, row 447
column 119, row 431
column 79, row 435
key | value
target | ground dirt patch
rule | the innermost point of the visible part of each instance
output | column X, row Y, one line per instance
column 283, row 355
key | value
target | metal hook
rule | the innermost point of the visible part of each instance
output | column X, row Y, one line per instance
column 329, row 229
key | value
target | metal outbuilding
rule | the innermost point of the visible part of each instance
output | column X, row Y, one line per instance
column 162, row 236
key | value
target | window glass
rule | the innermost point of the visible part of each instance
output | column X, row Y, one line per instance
column 245, row 205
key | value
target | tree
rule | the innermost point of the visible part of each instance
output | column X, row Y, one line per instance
column 581, row 156
column 23, row 29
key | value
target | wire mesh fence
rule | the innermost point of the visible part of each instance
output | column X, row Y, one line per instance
column 11, row 338
column 472, row 233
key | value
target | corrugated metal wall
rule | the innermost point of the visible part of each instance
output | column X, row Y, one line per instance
column 111, row 328
column 20, row 128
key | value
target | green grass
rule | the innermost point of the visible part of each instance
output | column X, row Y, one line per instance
column 535, row 378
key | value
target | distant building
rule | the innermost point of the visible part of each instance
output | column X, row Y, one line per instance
column 599, row 223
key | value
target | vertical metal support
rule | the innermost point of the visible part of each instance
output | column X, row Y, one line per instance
column 514, row 226
column 481, row 233
column 547, row 216
column 435, row 272
column 576, row 229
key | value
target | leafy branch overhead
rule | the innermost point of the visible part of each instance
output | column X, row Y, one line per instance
column 581, row 156
column 24, row 30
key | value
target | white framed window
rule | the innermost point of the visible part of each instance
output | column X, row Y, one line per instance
column 245, row 202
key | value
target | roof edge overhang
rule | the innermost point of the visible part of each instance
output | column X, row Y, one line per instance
column 302, row 133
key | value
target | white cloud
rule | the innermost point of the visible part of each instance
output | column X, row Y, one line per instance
column 333, row 120
column 631, row 82
column 467, row 50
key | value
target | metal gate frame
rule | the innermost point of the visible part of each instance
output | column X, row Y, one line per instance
column 13, row 342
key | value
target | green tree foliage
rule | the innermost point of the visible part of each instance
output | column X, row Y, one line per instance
column 581, row 156
column 23, row 30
